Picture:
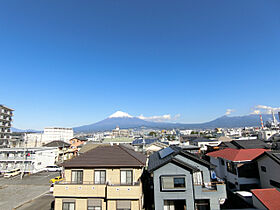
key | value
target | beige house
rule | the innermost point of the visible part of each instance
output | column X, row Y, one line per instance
column 101, row 179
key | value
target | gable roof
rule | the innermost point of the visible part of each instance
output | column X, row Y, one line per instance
column 274, row 155
column 250, row 144
column 155, row 161
column 91, row 145
column 110, row 156
column 237, row 154
column 268, row 197
column 57, row 144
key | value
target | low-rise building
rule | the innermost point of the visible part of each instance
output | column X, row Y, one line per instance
column 29, row 160
column 102, row 178
column 269, row 169
column 64, row 152
column 181, row 180
column 266, row 199
column 236, row 167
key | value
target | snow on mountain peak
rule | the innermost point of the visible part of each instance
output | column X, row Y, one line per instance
column 120, row 114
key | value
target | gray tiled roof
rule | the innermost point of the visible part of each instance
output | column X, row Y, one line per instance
column 155, row 161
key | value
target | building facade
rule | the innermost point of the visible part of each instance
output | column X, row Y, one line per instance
column 237, row 168
column 102, row 178
column 269, row 169
column 29, row 160
column 183, row 181
column 6, row 115
column 55, row 134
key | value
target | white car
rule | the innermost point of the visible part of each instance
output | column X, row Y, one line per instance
column 12, row 173
column 53, row 168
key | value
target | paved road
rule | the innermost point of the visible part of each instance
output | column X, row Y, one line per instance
column 16, row 191
column 41, row 203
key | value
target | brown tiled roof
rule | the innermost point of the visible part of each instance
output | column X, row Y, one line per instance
column 107, row 157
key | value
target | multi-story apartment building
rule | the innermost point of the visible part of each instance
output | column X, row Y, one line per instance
column 5, row 125
column 29, row 160
column 103, row 178
column 54, row 134
column 182, row 180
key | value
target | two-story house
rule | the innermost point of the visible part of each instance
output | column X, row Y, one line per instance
column 237, row 168
column 269, row 169
column 183, row 181
column 103, row 178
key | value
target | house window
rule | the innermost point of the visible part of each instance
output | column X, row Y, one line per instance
column 197, row 178
column 263, row 168
column 123, row 205
column 126, row 177
column 94, row 204
column 274, row 183
column 173, row 182
column 99, row 177
column 68, row 206
column 77, row 176
column 202, row 204
column 222, row 162
column 231, row 168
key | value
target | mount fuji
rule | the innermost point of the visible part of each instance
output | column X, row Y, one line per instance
column 125, row 121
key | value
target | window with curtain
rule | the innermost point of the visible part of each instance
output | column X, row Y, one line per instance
column 94, row 204
column 197, row 178
column 173, row 183
column 68, row 206
column 77, row 176
column 99, row 177
column 123, row 205
column 126, row 177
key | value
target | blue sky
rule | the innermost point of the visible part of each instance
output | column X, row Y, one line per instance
column 69, row 63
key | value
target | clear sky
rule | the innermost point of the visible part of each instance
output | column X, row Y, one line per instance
column 69, row 63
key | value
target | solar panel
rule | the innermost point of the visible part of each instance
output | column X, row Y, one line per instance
column 165, row 152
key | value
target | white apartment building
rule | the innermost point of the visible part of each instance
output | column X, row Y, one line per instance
column 49, row 135
column 54, row 134
column 29, row 160
column 5, row 125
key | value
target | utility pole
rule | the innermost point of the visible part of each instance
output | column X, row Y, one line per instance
column 24, row 157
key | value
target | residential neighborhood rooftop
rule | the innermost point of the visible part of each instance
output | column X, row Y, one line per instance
column 270, row 198
column 110, row 156
column 237, row 154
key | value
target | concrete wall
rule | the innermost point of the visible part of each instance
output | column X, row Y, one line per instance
column 272, row 172
column 187, row 195
column 257, row 204
column 204, row 169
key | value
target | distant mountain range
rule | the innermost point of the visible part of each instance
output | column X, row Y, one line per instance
column 124, row 120
column 24, row 130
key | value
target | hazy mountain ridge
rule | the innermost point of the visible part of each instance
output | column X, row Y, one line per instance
column 134, row 122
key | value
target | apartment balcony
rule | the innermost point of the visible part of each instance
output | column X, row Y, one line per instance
column 87, row 189
column 16, row 158
column 124, row 191
column 212, row 189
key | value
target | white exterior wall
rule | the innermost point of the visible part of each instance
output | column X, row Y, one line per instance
column 272, row 171
column 31, row 160
column 44, row 158
column 33, row 139
column 54, row 134
column 221, row 171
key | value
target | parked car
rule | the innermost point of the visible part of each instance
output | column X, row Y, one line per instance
column 52, row 168
column 51, row 188
column 56, row 179
column 12, row 173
